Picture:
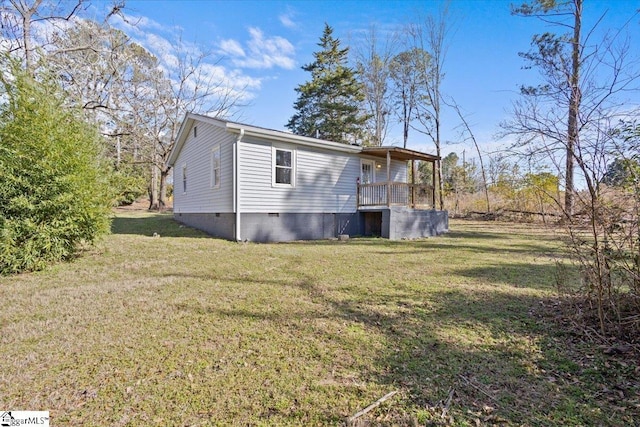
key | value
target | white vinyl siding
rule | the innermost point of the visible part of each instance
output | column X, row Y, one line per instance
column 325, row 181
column 201, row 197
column 398, row 169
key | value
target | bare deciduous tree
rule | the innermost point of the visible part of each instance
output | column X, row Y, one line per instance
column 193, row 85
column 430, row 35
column 569, row 122
column 467, row 134
column 108, row 76
column 562, row 71
column 406, row 83
column 139, row 101
column 373, row 60
column 19, row 16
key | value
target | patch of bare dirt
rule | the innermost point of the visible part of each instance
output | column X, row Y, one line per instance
column 139, row 205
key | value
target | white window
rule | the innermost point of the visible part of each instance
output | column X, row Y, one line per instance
column 215, row 167
column 283, row 167
column 184, row 178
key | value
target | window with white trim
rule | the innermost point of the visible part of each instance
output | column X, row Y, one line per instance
column 184, row 178
column 283, row 167
column 215, row 167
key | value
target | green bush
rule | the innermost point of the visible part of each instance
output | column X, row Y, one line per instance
column 54, row 192
column 129, row 185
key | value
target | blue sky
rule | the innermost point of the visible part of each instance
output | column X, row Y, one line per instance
column 263, row 44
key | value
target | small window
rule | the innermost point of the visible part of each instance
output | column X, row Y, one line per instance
column 184, row 178
column 215, row 167
column 195, row 131
column 283, row 167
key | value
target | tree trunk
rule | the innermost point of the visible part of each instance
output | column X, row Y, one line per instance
column 438, row 163
column 154, row 203
column 574, row 108
column 406, row 119
column 26, row 13
column 162, row 193
column 26, row 38
column 118, row 152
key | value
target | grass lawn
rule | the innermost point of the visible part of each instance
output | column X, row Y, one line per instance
column 183, row 329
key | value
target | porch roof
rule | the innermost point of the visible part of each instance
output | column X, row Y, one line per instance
column 398, row 153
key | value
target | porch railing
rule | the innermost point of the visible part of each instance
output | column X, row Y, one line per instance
column 396, row 194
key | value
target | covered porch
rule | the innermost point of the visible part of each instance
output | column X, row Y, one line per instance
column 394, row 193
column 396, row 209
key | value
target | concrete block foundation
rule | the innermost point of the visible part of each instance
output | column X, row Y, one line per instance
column 392, row 223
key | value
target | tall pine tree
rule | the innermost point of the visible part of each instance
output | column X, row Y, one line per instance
column 328, row 105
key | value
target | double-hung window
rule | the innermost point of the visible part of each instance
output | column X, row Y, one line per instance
column 215, row 167
column 283, row 167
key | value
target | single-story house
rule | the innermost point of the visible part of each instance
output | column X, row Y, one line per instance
column 242, row 182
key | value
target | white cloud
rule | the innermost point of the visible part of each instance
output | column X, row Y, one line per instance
column 286, row 19
column 166, row 44
column 141, row 25
column 267, row 52
column 133, row 26
column 231, row 78
column 232, row 48
column 225, row 83
column 147, row 24
column 163, row 49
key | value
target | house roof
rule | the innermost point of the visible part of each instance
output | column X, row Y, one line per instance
column 276, row 135
column 183, row 132
column 396, row 153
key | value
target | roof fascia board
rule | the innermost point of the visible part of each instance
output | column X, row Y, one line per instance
column 210, row 120
column 187, row 122
column 403, row 152
column 279, row 136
